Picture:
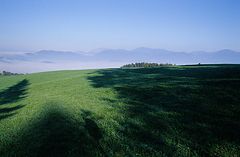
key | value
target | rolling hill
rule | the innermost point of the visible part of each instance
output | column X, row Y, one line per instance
column 167, row 111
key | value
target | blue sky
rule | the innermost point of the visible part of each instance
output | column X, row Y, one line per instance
column 183, row 25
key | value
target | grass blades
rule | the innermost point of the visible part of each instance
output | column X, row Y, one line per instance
column 167, row 111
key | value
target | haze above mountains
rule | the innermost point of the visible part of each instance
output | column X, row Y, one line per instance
column 46, row 60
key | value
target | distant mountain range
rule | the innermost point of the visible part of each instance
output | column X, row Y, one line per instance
column 117, row 57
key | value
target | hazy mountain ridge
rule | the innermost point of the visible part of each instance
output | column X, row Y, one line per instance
column 135, row 55
column 104, row 58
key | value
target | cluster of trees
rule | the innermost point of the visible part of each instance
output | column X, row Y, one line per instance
column 146, row 65
column 7, row 73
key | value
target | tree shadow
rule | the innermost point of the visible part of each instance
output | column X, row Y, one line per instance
column 10, row 95
column 91, row 126
column 56, row 134
column 176, row 111
column 8, row 111
column 14, row 93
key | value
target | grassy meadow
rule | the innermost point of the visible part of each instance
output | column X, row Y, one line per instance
column 176, row 111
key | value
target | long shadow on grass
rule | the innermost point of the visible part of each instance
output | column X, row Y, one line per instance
column 177, row 111
column 10, row 95
column 56, row 134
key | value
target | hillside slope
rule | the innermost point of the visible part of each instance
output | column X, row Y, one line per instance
column 168, row 111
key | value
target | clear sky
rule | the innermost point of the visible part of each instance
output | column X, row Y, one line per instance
column 184, row 25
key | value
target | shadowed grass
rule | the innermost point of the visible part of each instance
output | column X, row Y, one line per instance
column 14, row 93
column 11, row 95
column 178, row 111
column 168, row 111
column 56, row 133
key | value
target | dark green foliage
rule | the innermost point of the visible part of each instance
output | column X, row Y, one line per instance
column 145, row 65
column 7, row 73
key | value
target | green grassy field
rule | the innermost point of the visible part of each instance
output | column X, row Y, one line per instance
column 168, row 111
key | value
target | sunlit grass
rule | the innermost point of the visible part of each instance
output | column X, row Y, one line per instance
column 168, row 111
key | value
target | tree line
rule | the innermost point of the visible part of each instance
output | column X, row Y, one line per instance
column 146, row 65
column 7, row 73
